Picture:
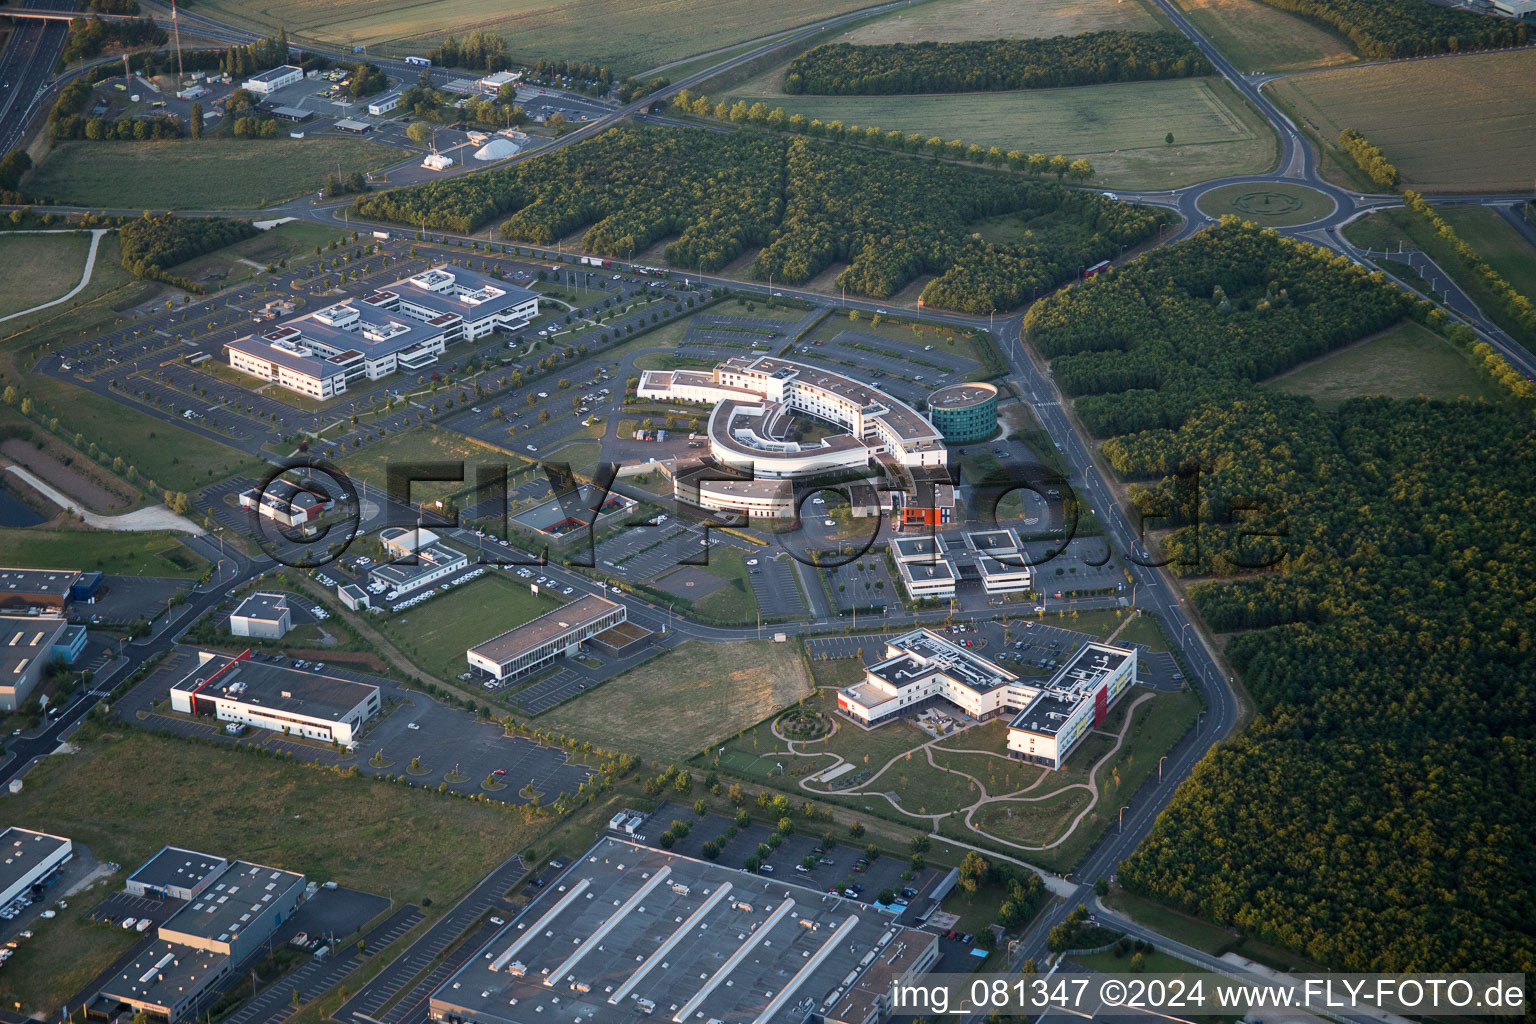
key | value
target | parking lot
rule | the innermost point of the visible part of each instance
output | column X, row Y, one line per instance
column 775, row 586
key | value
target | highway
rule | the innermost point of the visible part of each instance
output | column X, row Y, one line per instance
column 26, row 67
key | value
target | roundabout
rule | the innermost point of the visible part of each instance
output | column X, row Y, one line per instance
column 1270, row 204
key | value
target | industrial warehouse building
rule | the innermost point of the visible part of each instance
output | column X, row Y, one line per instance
column 232, row 909
column 537, row 642
column 28, row 859
column 175, row 873
column 286, row 503
column 27, row 644
column 47, row 590
column 265, row 696
column 1050, row 717
column 403, row 327
column 264, row 615
column 630, row 931
column 268, row 82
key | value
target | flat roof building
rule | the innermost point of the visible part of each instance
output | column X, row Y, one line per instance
column 266, row 696
column 175, row 873
column 26, row 647
column 264, row 614
column 287, row 503
column 539, row 641
column 28, row 858
column 268, row 82
column 1049, row 717
column 630, row 931
column 964, row 412
column 45, row 589
column 416, row 569
column 930, row 567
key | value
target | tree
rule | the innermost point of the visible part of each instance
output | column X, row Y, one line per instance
column 555, row 123
column 886, row 896
column 1168, row 138
column 197, row 120
column 973, row 871
column 856, row 830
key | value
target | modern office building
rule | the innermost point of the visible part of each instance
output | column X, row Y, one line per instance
column 29, row 858
column 428, row 563
column 402, row 328
column 268, row 82
column 930, row 566
column 286, row 503
column 175, row 873
column 27, row 644
column 47, row 590
column 630, row 932
column 1049, row 717
column 382, row 105
column 964, row 412
column 551, row 635
column 264, row 614
column 267, row 696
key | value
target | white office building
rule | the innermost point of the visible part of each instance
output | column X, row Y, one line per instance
column 268, row 82
column 266, row 696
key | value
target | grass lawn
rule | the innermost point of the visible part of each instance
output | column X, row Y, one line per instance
column 1120, row 128
column 1179, row 927
column 285, row 241
column 1256, row 37
column 687, row 699
column 203, row 174
column 924, row 789
column 39, row 268
column 1268, row 205
column 406, row 844
column 430, row 444
column 734, row 602
column 626, row 36
column 1402, row 362
column 963, row 20
column 909, row 338
column 1143, row 629
column 127, row 554
column 65, row 955
column 437, row 632
column 1035, row 823
column 1505, row 249
column 1448, row 125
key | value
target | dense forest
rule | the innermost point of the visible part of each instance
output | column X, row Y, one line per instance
column 809, row 204
column 89, row 36
column 152, row 244
column 478, row 51
column 1387, row 29
column 846, row 69
column 1146, row 345
column 1375, row 816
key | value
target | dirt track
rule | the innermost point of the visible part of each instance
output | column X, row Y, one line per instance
column 81, row 484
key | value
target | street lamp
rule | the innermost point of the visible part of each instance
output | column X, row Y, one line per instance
column 1160, row 767
column 1122, row 818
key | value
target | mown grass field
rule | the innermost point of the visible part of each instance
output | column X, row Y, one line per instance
column 952, row 21
column 1120, row 128
column 206, row 174
column 1268, row 204
column 628, row 37
column 436, row 633
column 227, row 266
column 39, row 268
column 685, row 700
column 407, row 844
column 1255, row 37
column 1505, row 249
column 1403, row 362
column 1457, row 124
column 128, row 554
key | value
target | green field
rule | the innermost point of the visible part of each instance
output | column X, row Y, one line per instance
column 1459, row 124
column 229, row 265
column 1036, row 822
column 1505, row 249
column 432, row 444
column 1268, row 204
column 205, row 174
column 1120, row 128
column 1404, row 362
column 685, row 700
column 436, row 633
column 626, row 36
column 406, row 844
column 1143, row 629
column 1256, row 37
column 952, row 21
column 127, row 554
column 39, row 268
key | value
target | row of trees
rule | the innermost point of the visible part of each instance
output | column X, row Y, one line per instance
column 428, row 105
column 847, row 69
column 1199, row 322
column 99, row 129
column 478, row 51
column 740, row 112
column 1515, row 306
column 1375, row 814
column 151, row 245
column 1388, row 29
column 807, row 203
column 1369, row 158
column 13, row 166
column 114, row 6
column 89, row 36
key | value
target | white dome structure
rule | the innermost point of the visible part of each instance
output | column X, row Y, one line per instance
column 496, row 149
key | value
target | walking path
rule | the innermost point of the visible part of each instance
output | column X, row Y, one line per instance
column 145, row 520
column 85, row 278
column 1012, row 796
